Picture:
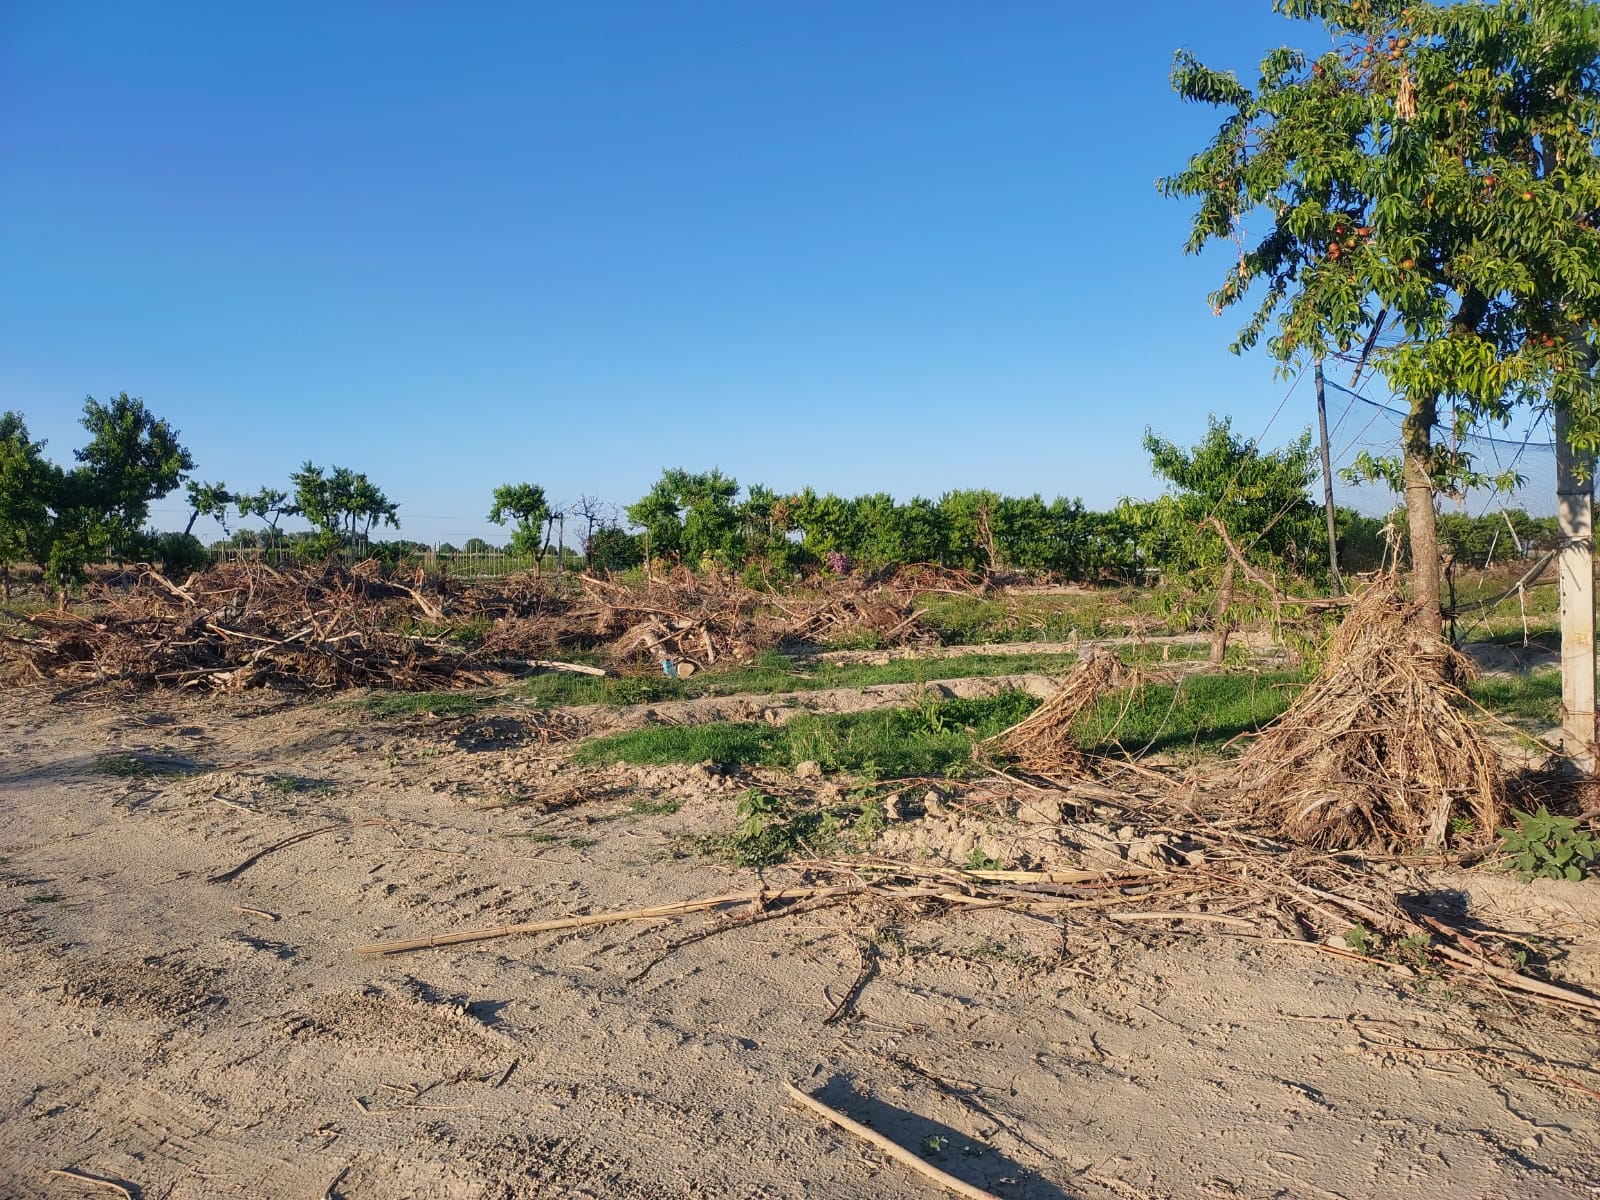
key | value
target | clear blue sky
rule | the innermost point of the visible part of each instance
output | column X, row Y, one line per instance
column 862, row 246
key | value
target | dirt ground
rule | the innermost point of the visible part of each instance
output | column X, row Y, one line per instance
column 188, row 1038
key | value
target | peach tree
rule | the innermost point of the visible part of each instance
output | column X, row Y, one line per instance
column 1434, row 169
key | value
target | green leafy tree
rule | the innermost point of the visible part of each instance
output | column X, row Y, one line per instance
column 1260, row 498
column 270, row 505
column 207, row 500
column 1434, row 168
column 609, row 547
column 524, row 505
column 692, row 517
column 27, row 482
column 133, row 459
column 969, row 520
column 344, row 505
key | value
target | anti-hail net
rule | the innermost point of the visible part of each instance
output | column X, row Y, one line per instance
column 1357, row 424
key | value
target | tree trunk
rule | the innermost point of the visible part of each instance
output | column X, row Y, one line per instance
column 1417, row 437
column 1575, row 570
column 1224, row 623
column 193, row 517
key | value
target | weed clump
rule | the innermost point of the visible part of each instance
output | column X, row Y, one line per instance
column 1544, row 846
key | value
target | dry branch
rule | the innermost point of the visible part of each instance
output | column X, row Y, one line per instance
column 893, row 1149
column 676, row 909
column 76, row 1176
column 235, row 871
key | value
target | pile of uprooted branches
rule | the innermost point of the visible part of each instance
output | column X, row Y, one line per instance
column 1378, row 752
column 247, row 625
column 252, row 625
column 711, row 618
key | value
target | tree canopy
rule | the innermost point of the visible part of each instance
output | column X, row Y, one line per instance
column 27, row 482
column 524, row 505
column 207, row 500
column 344, row 504
column 132, row 459
column 1434, row 169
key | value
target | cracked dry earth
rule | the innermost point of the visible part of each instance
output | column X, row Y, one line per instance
column 188, row 1038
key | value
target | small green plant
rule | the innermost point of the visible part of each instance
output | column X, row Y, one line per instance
column 1412, row 951
column 1360, row 939
column 642, row 689
column 934, row 1144
column 1544, row 846
column 139, row 766
column 654, row 808
column 870, row 822
column 979, row 861
column 122, row 766
column 43, row 898
column 770, row 831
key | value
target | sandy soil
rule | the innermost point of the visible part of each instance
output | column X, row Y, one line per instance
column 188, row 1038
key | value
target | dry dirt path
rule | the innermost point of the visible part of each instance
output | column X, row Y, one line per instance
column 161, row 1032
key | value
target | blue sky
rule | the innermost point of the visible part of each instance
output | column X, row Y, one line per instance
column 862, row 246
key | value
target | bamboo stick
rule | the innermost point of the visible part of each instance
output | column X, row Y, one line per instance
column 893, row 1149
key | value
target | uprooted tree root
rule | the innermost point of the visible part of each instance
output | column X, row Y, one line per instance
column 1044, row 743
column 1378, row 752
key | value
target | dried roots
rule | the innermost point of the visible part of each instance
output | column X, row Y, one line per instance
column 1044, row 743
column 1377, row 752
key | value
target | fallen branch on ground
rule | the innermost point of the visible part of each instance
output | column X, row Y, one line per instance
column 240, row 869
column 893, row 1149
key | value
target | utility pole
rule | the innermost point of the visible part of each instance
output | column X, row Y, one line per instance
column 1327, row 483
column 1575, row 570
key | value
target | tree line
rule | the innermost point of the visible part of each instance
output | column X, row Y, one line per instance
column 64, row 518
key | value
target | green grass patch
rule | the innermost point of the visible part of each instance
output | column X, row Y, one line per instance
column 1049, row 617
column 1534, row 697
column 935, row 738
column 774, row 673
column 654, row 808
column 1202, row 712
column 770, row 673
column 140, row 766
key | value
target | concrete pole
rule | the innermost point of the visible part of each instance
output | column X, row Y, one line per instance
column 1575, row 569
column 1327, row 484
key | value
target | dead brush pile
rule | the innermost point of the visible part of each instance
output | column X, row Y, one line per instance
column 710, row 618
column 326, row 627
column 1044, row 744
column 250, row 625
column 1378, row 752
